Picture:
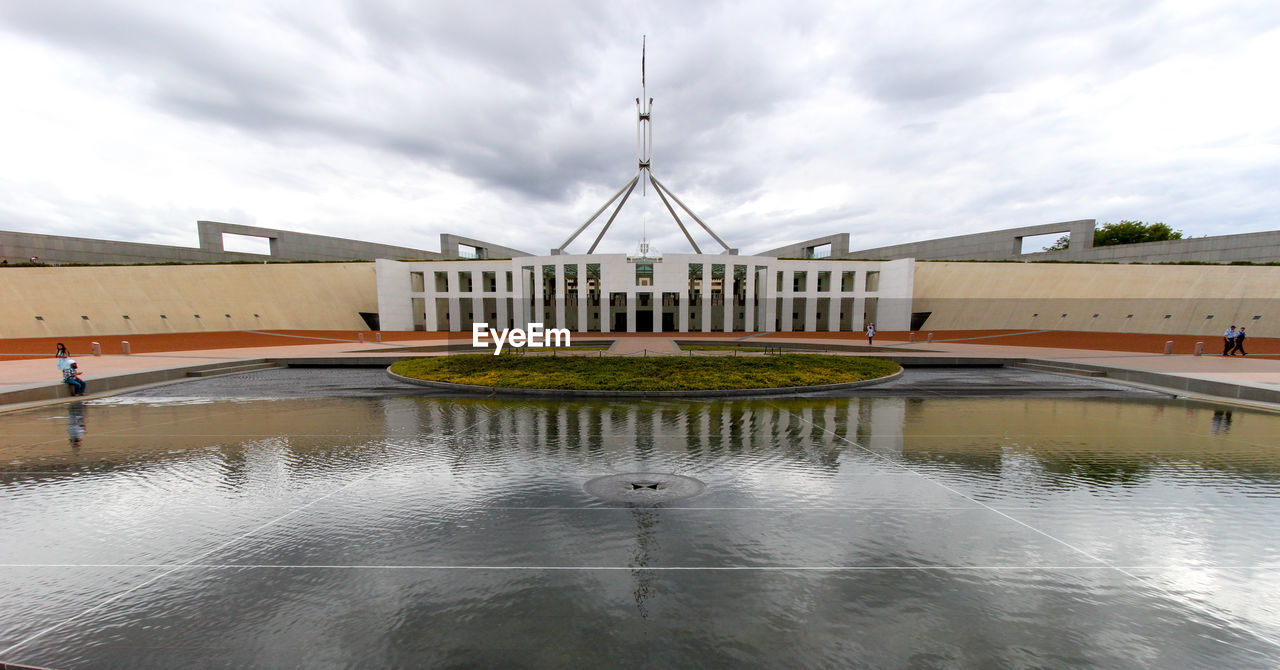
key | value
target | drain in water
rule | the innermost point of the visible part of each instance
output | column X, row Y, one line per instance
column 644, row 487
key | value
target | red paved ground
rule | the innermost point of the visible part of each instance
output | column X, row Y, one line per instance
column 1062, row 339
column 162, row 342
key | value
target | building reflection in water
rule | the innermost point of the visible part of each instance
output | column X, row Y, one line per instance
column 815, row 429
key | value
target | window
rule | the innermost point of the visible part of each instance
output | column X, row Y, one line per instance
column 644, row 274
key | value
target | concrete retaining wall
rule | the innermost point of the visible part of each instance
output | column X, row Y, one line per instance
column 167, row 298
column 1162, row 299
column 1006, row 244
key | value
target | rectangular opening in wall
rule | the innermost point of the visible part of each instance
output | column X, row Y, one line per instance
column 869, row 313
column 819, row 251
column 798, row 311
column 644, row 274
column 419, row 307
column 873, row 282
column 670, row 312
column 618, row 312
column 417, row 283
column 490, row 314
column 799, row 281
column 470, row 252
column 824, row 313
column 489, row 282
column 846, row 314
column 442, row 282
column 464, row 282
column 1033, row 244
column 442, row 314
column 846, row 281
column 824, row 281
column 918, row 319
column 246, row 244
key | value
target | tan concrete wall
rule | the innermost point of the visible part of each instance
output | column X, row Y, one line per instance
column 1035, row 296
column 320, row 296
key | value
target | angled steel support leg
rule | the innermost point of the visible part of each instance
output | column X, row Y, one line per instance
column 680, row 223
column 631, row 186
column 583, row 227
column 659, row 185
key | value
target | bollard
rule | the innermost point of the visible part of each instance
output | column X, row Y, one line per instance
column 930, row 337
column 360, row 337
column 1199, row 348
column 911, row 337
column 377, row 337
column 124, row 346
column 97, row 348
column 1168, row 347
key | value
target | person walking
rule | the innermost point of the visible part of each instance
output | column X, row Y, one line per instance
column 1239, row 343
column 72, row 378
column 1229, row 340
column 871, row 333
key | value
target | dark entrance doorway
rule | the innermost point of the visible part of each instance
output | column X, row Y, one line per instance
column 644, row 320
column 668, row 322
column 620, row 322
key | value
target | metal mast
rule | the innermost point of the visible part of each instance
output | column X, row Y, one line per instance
column 644, row 176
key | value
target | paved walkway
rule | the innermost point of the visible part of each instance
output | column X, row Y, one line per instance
column 18, row 370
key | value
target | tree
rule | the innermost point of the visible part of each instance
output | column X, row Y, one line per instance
column 1125, row 232
column 1130, row 232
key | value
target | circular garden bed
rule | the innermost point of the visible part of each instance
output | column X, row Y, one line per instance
column 652, row 376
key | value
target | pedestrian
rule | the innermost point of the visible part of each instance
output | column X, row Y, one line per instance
column 1239, row 343
column 63, row 356
column 72, row 378
column 35, row 259
column 1229, row 340
column 871, row 333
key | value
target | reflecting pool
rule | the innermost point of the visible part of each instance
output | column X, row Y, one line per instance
column 832, row 532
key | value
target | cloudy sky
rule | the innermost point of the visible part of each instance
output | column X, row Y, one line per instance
column 395, row 120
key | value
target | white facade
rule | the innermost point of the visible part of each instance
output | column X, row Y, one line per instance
column 617, row 293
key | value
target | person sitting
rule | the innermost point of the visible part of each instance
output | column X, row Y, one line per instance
column 71, row 376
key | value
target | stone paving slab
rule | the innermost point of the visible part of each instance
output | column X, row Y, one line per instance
column 1232, row 377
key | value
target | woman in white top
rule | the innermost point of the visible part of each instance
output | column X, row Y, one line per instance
column 63, row 357
column 871, row 333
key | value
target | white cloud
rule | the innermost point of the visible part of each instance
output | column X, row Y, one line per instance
column 394, row 122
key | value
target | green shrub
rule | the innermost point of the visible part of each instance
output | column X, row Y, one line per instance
column 658, row 373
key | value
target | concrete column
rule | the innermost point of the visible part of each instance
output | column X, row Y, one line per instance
column 655, row 304
column 811, row 309
column 631, row 311
column 682, row 314
column 704, row 296
column 560, row 295
column 770, row 301
column 455, row 318
column 749, row 318
column 429, row 304
column 478, row 314
column 500, row 298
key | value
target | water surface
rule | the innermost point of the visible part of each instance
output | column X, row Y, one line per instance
column 385, row 530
